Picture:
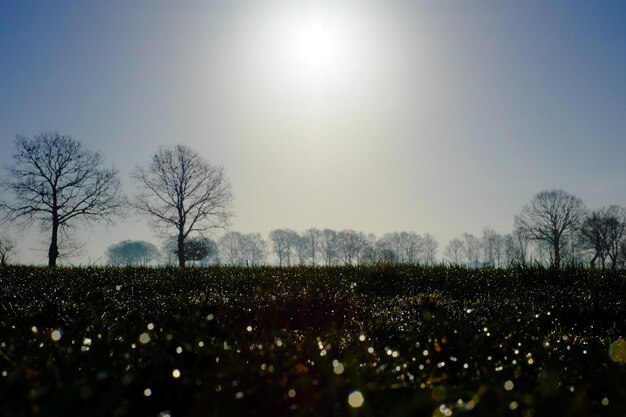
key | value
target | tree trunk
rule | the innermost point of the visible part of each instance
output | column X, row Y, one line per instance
column 557, row 253
column 181, row 250
column 53, row 251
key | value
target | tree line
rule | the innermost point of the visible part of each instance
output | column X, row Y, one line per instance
column 56, row 183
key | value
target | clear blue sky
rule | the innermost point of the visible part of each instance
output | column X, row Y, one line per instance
column 437, row 117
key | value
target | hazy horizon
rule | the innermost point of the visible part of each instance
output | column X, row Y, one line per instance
column 435, row 117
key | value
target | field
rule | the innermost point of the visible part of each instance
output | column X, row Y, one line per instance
column 367, row 341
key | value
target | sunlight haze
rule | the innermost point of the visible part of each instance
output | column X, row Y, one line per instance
column 432, row 117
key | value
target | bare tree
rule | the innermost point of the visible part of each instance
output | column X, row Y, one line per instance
column 430, row 249
column 515, row 247
column 492, row 247
column 256, row 249
column 180, row 190
column 284, row 242
column 349, row 245
column 57, row 183
column 472, row 249
column 454, row 251
column 243, row 249
column 7, row 247
column 548, row 217
column 410, row 246
column 328, row 246
column 232, row 248
column 302, row 249
column 312, row 238
column 603, row 231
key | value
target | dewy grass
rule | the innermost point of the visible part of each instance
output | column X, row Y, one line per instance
column 379, row 340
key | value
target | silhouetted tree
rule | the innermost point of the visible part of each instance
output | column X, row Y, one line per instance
column 454, row 251
column 603, row 231
column 284, row 242
column 243, row 249
column 472, row 247
column 515, row 247
column 182, row 191
column 7, row 247
column 430, row 249
column 57, row 183
column 301, row 248
column 130, row 252
column 328, row 246
column 199, row 249
column 312, row 238
column 349, row 245
column 548, row 217
column 410, row 247
column 492, row 247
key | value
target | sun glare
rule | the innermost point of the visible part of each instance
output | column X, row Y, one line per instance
column 317, row 48
column 313, row 46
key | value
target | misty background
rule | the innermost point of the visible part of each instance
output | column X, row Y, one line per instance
column 433, row 118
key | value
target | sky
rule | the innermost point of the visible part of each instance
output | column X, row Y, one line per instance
column 430, row 116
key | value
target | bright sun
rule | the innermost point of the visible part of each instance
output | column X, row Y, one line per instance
column 312, row 47
column 317, row 48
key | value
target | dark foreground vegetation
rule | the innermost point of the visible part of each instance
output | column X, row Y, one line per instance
column 395, row 341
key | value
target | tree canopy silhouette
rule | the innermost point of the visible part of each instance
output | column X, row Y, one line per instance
column 56, row 182
column 180, row 190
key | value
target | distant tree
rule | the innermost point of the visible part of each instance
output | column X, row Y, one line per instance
column 7, row 247
column 388, row 248
column 492, row 247
column 410, row 247
column 603, row 231
column 454, row 251
column 472, row 247
column 514, row 248
column 243, row 249
column 312, row 239
column 328, row 246
column 385, row 254
column 182, row 191
column 130, row 252
column 284, row 242
column 232, row 248
column 349, row 245
column 369, row 256
column 57, row 183
column 199, row 249
column 548, row 217
column 302, row 249
column 256, row 249
column 430, row 249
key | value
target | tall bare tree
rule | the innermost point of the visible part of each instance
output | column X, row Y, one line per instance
column 7, row 247
column 57, row 183
column 182, row 191
column 549, row 216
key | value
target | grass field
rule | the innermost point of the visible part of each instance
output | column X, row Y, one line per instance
column 370, row 341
